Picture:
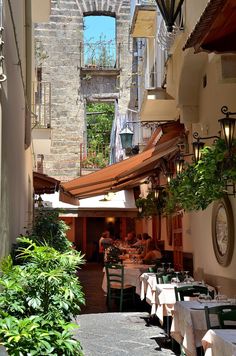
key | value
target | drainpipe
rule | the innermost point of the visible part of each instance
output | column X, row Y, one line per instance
column 28, row 41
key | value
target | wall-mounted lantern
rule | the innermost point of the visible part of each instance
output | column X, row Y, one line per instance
column 169, row 9
column 126, row 137
column 227, row 124
column 179, row 164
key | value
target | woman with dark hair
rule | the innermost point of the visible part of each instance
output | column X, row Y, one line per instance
column 153, row 253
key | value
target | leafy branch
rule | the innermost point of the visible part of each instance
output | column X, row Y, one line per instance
column 201, row 184
column 151, row 205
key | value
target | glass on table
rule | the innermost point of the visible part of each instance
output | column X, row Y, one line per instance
column 163, row 267
column 218, row 293
column 204, row 297
column 233, row 300
column 186, row 278
column 219, row 296
column 177, row 277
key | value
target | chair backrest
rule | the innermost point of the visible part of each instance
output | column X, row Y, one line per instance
column 189, row 291
column 159, row 277
column 221, row 317
column 152, row 269
column 115, row 274
column 168, row 277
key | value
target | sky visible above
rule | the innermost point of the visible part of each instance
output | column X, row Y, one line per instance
column 95, row 26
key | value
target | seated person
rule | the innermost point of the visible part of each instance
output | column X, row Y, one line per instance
column 105, row 241
column 143, row 243
column 130, row 239
column 139, row 241
column 153, row 253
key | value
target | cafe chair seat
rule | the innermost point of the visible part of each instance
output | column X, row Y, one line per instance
column 117, row 286
column 221, row 317
column 116, row 289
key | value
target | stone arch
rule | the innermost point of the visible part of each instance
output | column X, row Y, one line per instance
column 101, row 6
column 100, row 13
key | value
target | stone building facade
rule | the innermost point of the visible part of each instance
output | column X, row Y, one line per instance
column 60, row 62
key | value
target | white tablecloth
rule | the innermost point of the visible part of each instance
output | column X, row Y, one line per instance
column 189, row 324
column 220, row 342
column 132, row 273
column 161, row 297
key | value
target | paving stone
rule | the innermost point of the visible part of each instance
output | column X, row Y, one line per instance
column 114, row 334
column 119, row 334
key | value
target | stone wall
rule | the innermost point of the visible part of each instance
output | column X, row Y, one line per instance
column 60, row 42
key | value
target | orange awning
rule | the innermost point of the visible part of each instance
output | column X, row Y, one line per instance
column 127, row 173
column 44, row 184
column 216, row 28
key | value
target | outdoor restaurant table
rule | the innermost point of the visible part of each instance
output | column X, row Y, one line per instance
column 132, row 273
column 161, row 297
column 189, row 324
column 220, row 342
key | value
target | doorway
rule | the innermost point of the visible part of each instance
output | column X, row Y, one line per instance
column 95, row 228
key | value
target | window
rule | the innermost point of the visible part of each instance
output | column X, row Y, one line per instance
column 99, row 42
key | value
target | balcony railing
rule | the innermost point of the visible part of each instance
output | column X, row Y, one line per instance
column 41, row 104
column 94, row 157
column 100, row 55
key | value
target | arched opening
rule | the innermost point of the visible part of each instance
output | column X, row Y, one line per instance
column 100, row 42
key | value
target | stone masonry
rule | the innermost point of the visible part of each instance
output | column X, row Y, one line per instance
column 60, row 42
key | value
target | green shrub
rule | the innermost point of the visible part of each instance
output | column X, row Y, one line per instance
column 39, row 297
column 49, row 228
column 34, row 336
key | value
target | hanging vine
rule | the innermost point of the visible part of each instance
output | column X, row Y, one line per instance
column 197, row 186
column 151, row 205
column 200, row 184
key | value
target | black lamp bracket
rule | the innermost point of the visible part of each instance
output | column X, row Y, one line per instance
column 225, row 111
column 180, row 155
column 198, row 138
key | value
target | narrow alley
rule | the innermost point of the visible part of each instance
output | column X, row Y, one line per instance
column 115, row 334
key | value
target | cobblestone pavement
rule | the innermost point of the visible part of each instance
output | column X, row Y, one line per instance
column 118, row 334
column 115, row 334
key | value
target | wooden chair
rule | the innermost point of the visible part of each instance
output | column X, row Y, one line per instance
column 189, row 291
column 221, row 317
column 116, row 289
